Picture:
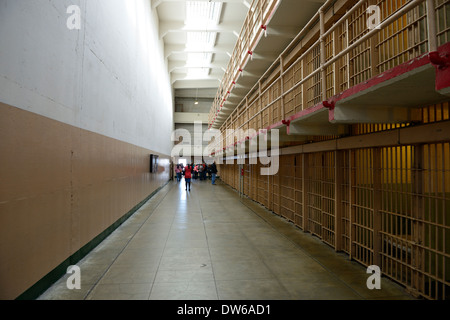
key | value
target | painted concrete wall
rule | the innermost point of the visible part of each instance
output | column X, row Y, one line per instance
column 109, row 77
column 80, row 113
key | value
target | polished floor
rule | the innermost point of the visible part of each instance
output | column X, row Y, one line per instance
column 210, row 244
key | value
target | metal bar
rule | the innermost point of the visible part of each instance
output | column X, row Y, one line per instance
column 349, row 48
column 323, row 55
column 382, row 25
column 344, row 17
column 282, row 111
column 377, row 198
column 338, row 197
column 431, row 22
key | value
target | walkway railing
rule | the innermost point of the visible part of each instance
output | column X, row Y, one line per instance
column 254, row 27
column 340, row 47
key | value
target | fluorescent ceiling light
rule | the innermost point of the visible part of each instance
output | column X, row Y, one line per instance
column 202, row 13
column 203, row 40
column 197, row 73
column 201, row 16
column 198, row 59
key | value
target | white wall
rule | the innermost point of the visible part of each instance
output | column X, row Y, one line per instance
column 109, row 77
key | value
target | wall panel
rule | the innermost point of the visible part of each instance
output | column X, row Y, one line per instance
column 61, row 186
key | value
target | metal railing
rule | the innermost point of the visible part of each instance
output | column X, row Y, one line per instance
column 255, row 25
column 329, row 56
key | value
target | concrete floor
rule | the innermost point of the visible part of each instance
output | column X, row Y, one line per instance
column 209, row 244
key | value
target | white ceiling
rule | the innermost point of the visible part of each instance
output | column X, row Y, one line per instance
column 173, row 31
column 287, row 21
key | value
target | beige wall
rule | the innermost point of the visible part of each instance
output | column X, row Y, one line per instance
column 61, row 186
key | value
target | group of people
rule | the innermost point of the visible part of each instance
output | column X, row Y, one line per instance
column 192, row 171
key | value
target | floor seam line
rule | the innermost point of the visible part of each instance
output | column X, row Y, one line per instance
column 261, row 256
column 121, row 251
column 209, row 250
column 165, row 245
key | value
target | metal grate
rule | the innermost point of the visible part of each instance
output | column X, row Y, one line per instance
column 345, row 203
column 416, row 213
column 397, row 212
column 293, row 100
column 313, row 85
column 287, row 187
column 298, row 190
column 405, row 38
column 360, row 57
column 320, row 196
column 362, row 205
column 443, row 21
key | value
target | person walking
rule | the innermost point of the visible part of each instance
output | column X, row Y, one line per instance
column 204, row 169
column 196, row 172
column 178, row 172
column 200, row 171
column 188, row 176
column 213, row 173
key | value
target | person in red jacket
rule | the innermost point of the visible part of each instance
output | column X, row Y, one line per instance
column 188, row 176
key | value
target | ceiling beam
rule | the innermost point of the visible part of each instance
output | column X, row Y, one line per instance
column 182, row 76
column 181, row 48
column 174, row 65
column 175, row 26
column 179, row 82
